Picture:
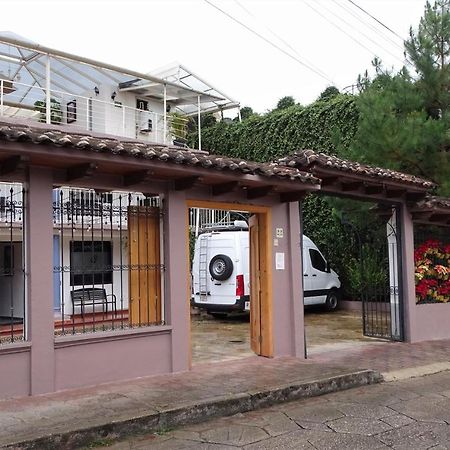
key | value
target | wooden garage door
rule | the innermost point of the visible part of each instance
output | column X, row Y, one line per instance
column 145, row 265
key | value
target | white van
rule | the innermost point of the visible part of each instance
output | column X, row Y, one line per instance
column 221, row 279
column 220, row 269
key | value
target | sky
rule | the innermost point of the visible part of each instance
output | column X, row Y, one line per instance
column 320, row 42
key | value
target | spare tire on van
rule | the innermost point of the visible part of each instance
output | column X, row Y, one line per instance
column 221, row 267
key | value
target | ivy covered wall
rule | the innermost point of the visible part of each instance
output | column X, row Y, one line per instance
column 327, row 125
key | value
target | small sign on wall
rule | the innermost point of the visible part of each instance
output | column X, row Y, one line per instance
column 279, row 232
column 279, row 261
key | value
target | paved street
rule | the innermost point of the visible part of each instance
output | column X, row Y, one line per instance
column 411, row 415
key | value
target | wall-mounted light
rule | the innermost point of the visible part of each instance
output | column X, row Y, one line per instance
column 168, row 109
column 96, row 90
column 113, row 95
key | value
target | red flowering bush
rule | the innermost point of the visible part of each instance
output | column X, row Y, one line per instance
column 432, row 261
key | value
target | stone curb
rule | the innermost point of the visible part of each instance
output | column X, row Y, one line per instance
column 195, row 412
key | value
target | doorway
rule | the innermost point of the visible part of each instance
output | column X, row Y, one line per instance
column 217, row 334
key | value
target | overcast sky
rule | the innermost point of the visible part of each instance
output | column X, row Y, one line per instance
column 331, row 36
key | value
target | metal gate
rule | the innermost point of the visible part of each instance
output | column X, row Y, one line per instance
column 381, row 281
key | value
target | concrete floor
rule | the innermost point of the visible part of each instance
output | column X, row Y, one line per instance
column 229, row 338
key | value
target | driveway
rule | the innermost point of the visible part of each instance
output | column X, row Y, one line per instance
column 229, row 338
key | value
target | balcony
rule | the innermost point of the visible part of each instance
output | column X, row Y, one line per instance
column 90, row 114
column 45, row 85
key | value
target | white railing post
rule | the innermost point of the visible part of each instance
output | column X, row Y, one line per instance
column 165, row 114
column 123, row 120
column 1, row 97
column 48, row 106
column 199, row 124
column 87, row 114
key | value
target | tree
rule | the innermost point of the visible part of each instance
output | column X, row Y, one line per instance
column 329, row 93
column 246, row 112
column 285, row 102
column 404, row 118
column 429, row 51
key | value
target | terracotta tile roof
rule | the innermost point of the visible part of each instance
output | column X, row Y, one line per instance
column 137, row 149
column 307, row 159
column 433, row 202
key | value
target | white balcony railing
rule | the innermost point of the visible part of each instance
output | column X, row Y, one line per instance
column 89, row 114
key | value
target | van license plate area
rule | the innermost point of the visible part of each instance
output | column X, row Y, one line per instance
column 247, row 306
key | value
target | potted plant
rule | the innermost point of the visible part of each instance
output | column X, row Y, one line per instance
column 55, row 110
column 178, row 128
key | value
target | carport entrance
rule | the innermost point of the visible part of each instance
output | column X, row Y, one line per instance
column 259, row 330
column 364, row 250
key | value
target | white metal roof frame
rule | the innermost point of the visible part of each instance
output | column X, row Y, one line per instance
column 23, row 60
column 183, row 76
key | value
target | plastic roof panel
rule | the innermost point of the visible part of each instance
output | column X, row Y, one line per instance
column 74, row 75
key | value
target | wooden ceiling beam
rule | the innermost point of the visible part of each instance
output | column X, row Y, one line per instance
column 224, row 188
column 395, row 193
column 14, row 164
column 85, row 170
column 138, row 177
column 374, row 189
column 258, row 192
column 182, row 184
column 351, row 186
column 295, row 196
column 415, row 196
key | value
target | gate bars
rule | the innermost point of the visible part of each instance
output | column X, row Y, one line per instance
column 381, row 295
column 107, row 267
column 12, row 263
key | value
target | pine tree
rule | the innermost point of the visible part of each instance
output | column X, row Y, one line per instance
column 404, row 117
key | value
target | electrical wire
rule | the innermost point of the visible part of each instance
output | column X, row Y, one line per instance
column 340, row 29
column 368, row 25
column 376, row 20
column 281, row 39
column 268, row 41
column 363, row 34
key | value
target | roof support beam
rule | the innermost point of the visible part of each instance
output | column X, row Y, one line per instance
column 79, row 171
column 181, row 184
column 13, row 164
column 415, row 196
column 141, row 176
column 395, row 193
column 224, row 188
column 294, row 196
column 373, row 189
column 351, row 186
column 258, row 192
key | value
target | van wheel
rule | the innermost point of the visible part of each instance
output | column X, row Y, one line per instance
column 218, row 315
column 332, row 301
column 221, row 267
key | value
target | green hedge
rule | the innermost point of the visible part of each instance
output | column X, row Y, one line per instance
column 327, row 126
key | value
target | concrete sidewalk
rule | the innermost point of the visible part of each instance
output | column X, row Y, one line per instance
column 73, row 418
column 70, row 419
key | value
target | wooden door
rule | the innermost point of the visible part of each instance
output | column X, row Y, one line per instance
column 260, row 286
column 145, row 265
column 255, row 286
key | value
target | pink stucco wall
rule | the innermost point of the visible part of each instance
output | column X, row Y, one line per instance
column 84, row 362
column 432, row 322
column 14, row 372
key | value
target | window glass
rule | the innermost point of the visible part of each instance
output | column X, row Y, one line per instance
column 90, row 262
column 317, row 260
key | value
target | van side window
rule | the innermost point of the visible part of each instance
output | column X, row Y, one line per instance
column 317, row 260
